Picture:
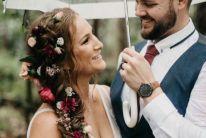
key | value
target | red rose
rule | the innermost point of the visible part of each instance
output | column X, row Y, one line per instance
column 46, row 95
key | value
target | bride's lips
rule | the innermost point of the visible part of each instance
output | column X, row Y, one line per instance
column 97, row 57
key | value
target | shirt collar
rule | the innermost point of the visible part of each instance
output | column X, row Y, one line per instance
column 174, row 38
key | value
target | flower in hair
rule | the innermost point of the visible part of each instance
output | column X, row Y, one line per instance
column 60, row 41
column 49, row 51
column 58, row 16
column 39, row 71
column 69, row 91
column 31, row 41
column 46, row 95
column 59, row 105
column 77, row 134
column 58, row 50
column 50, row 71
column 87, row 129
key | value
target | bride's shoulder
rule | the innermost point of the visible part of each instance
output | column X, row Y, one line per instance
column 100, row 88
column 45, row 124
column 96, row 89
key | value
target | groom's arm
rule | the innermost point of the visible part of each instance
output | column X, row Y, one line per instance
column 160, row 113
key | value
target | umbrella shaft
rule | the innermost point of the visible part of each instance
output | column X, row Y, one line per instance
column 127, row 23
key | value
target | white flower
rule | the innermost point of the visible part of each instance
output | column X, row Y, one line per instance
column 59, row 105
column 87, row 129
column 60, row 41
column 39, row 71
column 50, row 71
column 58, row 50
column 31, row 41
column 59, row 15
column 69, row 90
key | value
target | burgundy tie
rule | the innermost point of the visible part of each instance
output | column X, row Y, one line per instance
column 151, row 53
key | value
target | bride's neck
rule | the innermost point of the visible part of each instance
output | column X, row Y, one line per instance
column 82, row 88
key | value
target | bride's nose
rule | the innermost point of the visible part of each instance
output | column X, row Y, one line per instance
column 98, row 44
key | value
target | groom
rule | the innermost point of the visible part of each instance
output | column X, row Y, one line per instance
column 171, row 77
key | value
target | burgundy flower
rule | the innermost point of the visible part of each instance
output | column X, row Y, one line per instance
column 77, row 134
column 38, row 30
column 69, row 105
column 65, row 105
column 46, row 95
column 72, row 104
column 49, row 51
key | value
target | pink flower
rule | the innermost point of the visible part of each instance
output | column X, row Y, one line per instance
column 58, row 50
column 46, row 95
column 31, row 42
column 77, row 134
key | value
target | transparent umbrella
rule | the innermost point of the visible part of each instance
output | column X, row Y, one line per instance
column 89, row 9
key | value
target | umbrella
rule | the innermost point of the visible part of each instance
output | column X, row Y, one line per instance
column 95, row 9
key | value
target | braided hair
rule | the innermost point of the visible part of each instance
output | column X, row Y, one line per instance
column 52, row 61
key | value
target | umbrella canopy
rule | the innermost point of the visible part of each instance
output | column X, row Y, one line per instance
column 90, row 9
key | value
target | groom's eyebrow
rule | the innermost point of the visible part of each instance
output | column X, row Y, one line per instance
column 144, row 1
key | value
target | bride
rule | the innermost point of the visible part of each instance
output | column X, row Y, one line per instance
column 63, row 55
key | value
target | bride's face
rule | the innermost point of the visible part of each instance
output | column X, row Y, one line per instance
column 87, row 49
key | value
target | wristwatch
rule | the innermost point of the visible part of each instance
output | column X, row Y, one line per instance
column 146, row 89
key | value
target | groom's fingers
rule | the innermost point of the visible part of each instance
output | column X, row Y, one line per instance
column 126, row 58
column 126, row 67
column 123, row 74
column 130, row 52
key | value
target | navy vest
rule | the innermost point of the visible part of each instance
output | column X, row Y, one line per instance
column 177, row 85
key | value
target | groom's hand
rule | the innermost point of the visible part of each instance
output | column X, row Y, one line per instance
column 135, row 69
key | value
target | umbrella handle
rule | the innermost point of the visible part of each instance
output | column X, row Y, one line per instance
column 130, row 117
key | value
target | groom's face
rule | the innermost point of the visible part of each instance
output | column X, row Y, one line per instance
column 157, row 17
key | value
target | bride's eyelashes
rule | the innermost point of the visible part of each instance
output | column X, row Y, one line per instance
column 86, row 41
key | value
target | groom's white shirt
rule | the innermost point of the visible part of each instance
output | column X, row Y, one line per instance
column 161, row 115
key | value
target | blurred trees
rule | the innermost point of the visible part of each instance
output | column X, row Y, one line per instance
column 200, row 18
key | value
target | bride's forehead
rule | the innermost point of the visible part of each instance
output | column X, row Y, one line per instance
column 82, row 26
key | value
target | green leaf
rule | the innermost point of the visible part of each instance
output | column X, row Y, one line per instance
column 29, row 59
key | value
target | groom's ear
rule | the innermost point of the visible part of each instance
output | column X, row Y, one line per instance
column 183, row 4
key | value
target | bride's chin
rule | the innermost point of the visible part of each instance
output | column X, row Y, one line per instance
column 101, row 67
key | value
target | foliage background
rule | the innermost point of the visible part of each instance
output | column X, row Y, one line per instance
column 18, row 98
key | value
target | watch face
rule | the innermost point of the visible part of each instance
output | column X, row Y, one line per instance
column 145, row 90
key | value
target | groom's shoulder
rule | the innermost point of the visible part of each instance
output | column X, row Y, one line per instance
column 202, row 39
column 138, row 46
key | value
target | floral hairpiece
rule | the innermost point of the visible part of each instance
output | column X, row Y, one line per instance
column 58, row 16
column 69, row 106
column 47, row 52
